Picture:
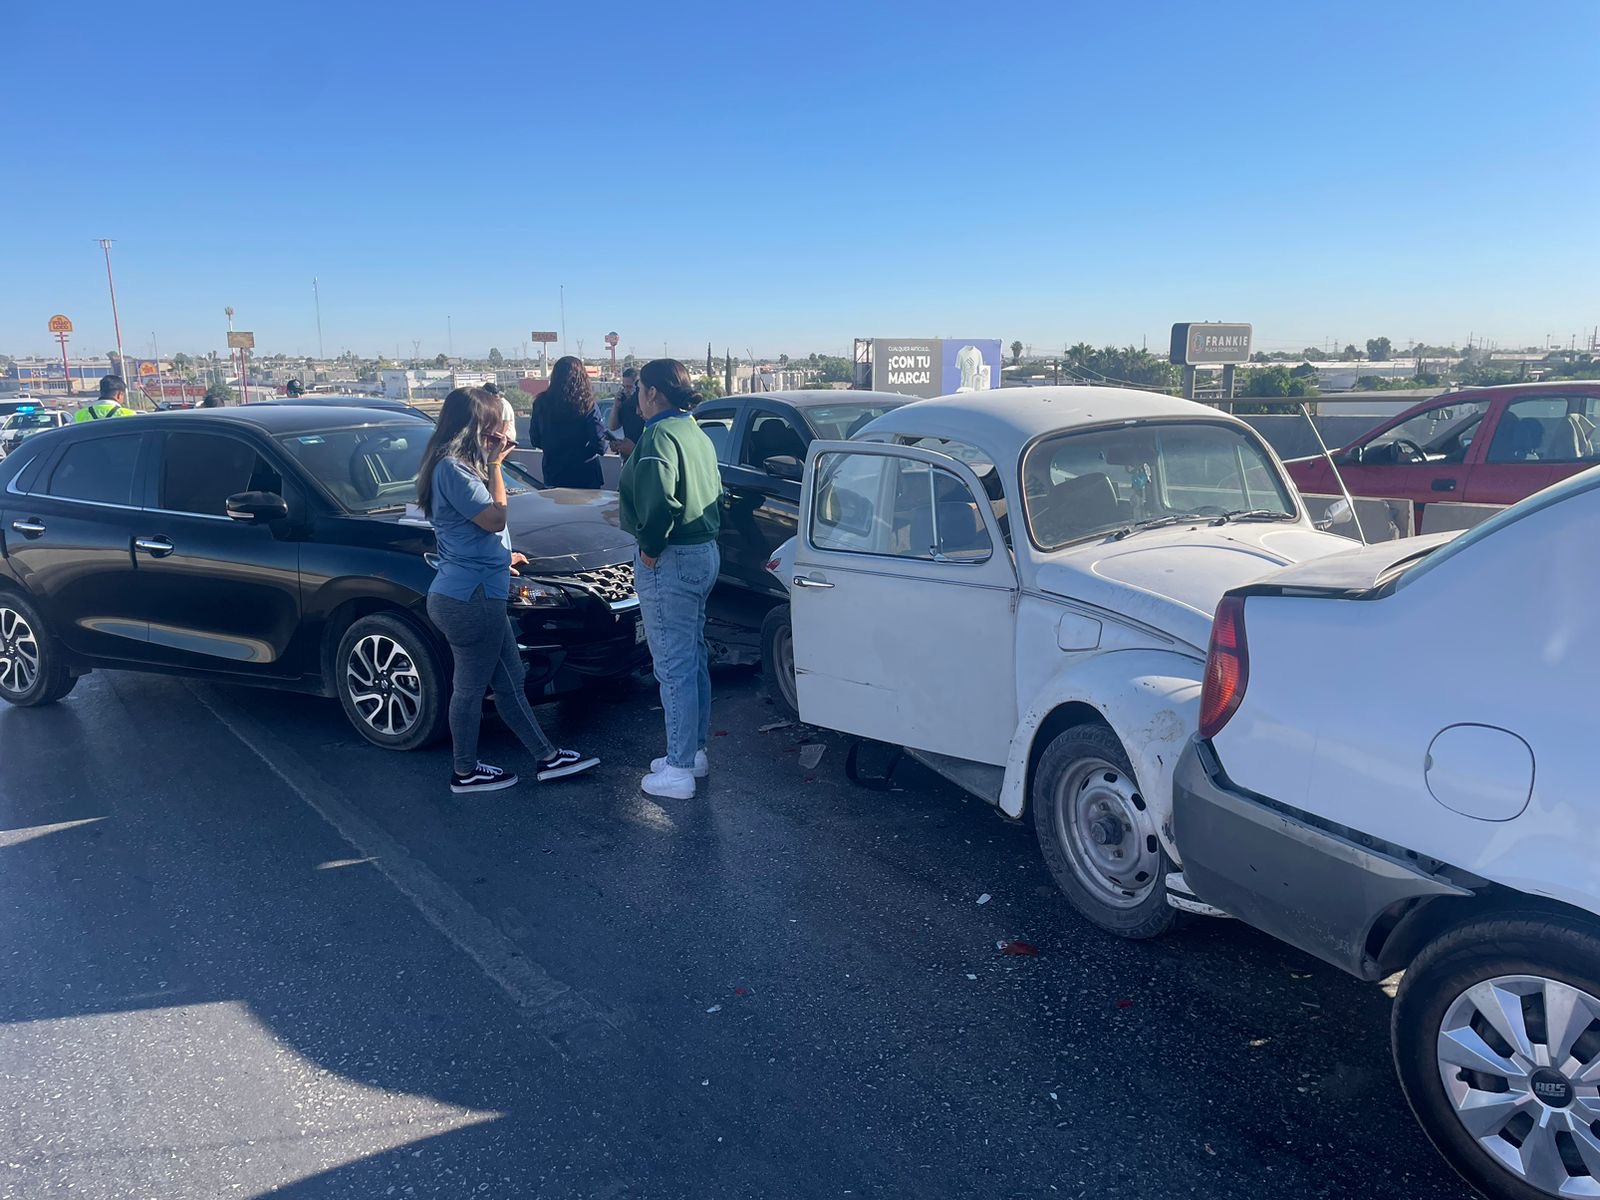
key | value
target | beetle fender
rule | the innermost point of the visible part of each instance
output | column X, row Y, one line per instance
column 1151, row 701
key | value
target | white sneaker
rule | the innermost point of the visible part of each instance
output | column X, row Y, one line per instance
column 672, row 783
column 701, row 767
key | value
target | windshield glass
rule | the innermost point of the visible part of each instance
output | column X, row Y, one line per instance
column 374, row 467
column 33, row 420
column 839, row 422
column 1079, row 485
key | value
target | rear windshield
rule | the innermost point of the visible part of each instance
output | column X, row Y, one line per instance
column 1081, row 485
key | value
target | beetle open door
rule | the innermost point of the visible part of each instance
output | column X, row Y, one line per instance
column 903, row 602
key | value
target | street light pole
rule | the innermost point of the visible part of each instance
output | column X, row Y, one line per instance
column 116, row 323
column 316, row 292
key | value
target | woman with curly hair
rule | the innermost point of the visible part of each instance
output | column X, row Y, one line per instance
column 568, row 427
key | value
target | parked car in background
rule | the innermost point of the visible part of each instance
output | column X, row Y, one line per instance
column 277, row 545
column 1477, row 446
column 1388, row 808
column 1017, row 588
column 28, row 421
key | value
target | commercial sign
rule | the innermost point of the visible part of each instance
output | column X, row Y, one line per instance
column 60, row 324
column 241, row 341
column 543, row 336
column 935, row 367
column 1196, row 344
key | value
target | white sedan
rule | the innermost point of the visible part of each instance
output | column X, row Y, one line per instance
column 1017, row 587
column 1395, row 773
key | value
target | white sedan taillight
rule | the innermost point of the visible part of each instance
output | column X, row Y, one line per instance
column 1227, row 668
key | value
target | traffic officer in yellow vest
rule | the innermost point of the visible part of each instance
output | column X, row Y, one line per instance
column 112, row 393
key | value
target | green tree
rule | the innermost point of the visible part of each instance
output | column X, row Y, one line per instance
column 221, row 391
column 1016, row 353
column 1350, row 353
column 1280, row 381
column 709, row 387
column 441, row 361
column 1378, row 349
column 1310, row 352
column 496, row 359
column 783, row 361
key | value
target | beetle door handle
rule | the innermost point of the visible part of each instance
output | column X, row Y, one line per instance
column 156, row 547
column 32, row 527
column 805, row 582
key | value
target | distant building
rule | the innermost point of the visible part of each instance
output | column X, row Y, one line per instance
column 45, row 377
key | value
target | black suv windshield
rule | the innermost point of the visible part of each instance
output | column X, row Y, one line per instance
column 1080, row 485
column 374, row 467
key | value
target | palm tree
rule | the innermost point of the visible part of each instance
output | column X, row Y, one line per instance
column 1016, row 353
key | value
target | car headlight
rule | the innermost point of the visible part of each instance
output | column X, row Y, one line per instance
column 531, row 593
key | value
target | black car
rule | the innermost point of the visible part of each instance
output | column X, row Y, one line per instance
column 280, row 545
column 761, row 440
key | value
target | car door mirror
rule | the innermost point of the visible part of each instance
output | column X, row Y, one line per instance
column 785, row 466
column 256, row 508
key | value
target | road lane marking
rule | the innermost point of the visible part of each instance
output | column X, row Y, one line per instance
column 558, row 1012
column 15, row 837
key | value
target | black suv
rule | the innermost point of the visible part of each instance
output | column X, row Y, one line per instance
column 280, row 546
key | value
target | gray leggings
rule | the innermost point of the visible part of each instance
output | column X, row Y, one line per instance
column 485, row 649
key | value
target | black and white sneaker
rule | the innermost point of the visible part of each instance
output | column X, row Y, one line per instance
column 563, row 763
column 482, row 778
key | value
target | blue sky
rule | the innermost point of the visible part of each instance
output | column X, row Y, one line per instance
column 787, row 177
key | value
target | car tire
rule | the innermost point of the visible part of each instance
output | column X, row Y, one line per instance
column 1538, row 960
column 777, row 660
column 33, row 665
column 1097, row 834
column 392, row 683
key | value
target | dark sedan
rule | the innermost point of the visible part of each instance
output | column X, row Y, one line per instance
column 278, row 545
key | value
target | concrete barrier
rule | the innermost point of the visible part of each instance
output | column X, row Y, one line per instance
column 1440, row 517
column 1381, row 520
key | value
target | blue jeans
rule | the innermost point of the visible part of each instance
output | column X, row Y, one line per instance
column 672, row 601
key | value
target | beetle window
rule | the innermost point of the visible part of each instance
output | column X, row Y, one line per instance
column 1083, row 485
column 880, row 504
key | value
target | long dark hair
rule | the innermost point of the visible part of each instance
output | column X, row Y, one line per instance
column 467, row 415
column 672, row 379
column 569, row 388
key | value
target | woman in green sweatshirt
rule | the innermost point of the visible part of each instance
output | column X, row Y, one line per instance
column 670, row 492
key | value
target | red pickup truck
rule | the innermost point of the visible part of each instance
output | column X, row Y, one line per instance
column 1492, row 445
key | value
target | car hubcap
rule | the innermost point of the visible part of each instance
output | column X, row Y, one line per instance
column 384, row 684
column 1519, row 1056
column 19, row 652
column 1103, row 825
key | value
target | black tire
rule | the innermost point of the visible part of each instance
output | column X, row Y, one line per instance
column 1138, row 910
column 777, row 660
column 1563, row 949
column 33, row 665
column 418, row 683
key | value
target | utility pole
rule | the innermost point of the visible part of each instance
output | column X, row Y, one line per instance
column 450, row 335
column 317, row 294
column 116, row 324
column 156, row 347
column 563, row 318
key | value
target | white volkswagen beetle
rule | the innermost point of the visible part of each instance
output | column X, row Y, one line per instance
column 1017, row 587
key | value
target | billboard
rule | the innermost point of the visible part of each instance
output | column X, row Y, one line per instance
column 1196, row 344
column 935, row 366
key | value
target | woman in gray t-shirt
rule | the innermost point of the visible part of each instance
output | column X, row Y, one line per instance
column 462, row 491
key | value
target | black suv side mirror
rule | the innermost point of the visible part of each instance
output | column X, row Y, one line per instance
column 256, row 508
column 785, row 466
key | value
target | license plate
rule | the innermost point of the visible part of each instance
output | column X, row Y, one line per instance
column 638, row 633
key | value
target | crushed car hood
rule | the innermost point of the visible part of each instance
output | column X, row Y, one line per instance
column 1170, row 580
column 561, row 530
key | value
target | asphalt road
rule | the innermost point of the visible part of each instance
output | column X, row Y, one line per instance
column 241, row 953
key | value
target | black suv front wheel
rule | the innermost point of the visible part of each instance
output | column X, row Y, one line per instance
column 392, row 683
column 33, row 669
